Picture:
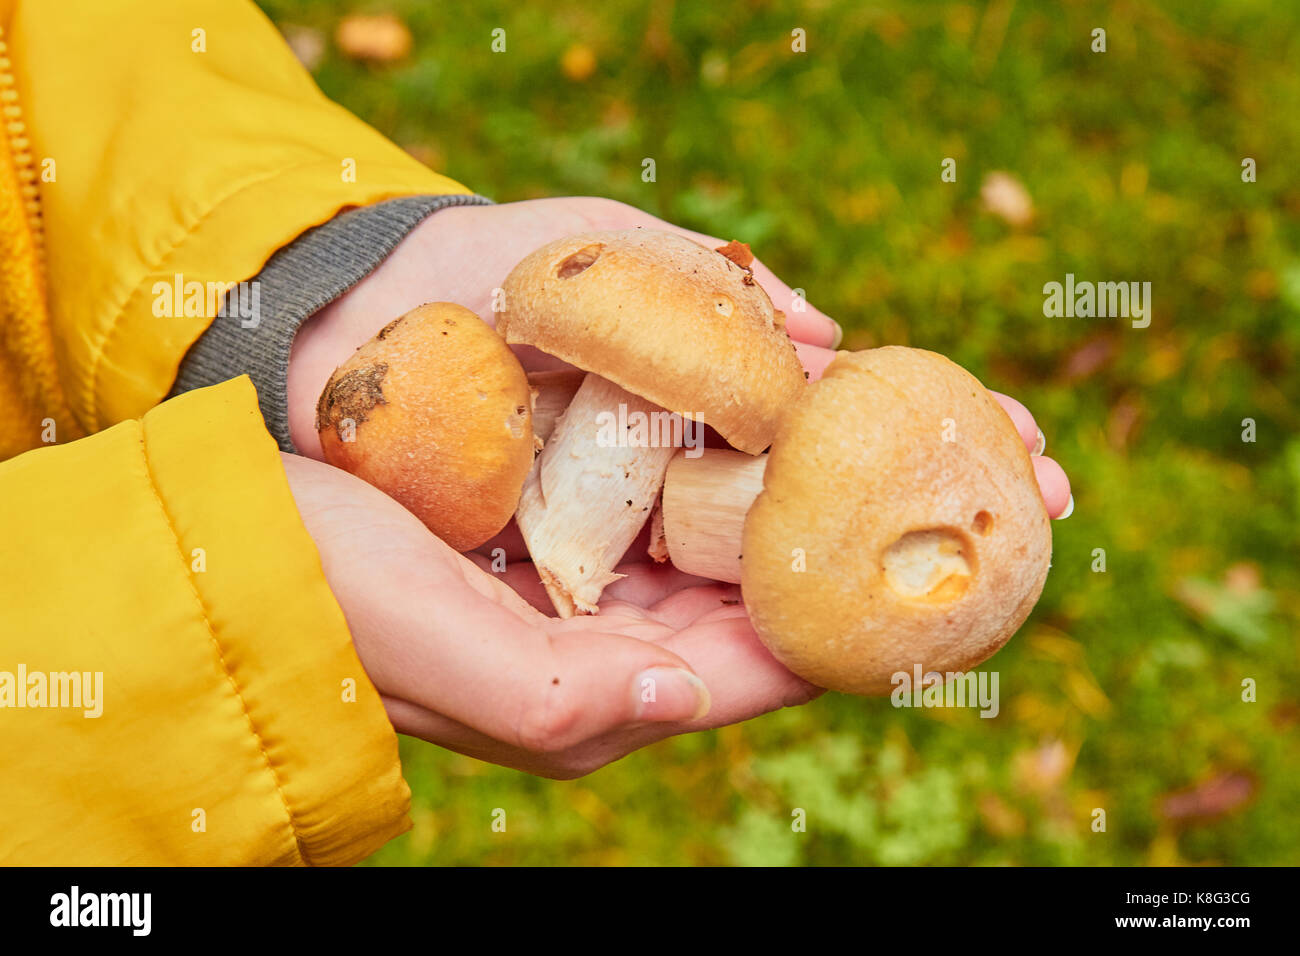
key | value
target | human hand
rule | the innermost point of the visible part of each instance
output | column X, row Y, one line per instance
column 461, row 254
column 462, row 660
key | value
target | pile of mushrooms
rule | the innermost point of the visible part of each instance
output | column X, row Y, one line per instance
column 895, row 522
column 671, row 335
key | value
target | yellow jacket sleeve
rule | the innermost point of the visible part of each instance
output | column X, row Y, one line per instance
column 147, row 140
column 177, row 683
column 162, row 559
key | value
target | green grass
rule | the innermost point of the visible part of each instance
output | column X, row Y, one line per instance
column 1124, row 685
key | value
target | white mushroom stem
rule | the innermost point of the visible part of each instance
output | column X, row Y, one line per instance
column 552, row 393
column 590, row 491
column 704, row 504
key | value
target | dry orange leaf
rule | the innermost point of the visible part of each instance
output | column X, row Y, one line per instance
column 738, row 252
column 578, row 62
column 379, row 38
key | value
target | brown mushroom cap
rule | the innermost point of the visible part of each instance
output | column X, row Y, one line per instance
column 665, row 318
column 442, row 421
column 921, row 527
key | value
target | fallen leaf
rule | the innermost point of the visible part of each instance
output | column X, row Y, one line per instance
column 1121, row 421
column 1088, row 359
column 1261, row 284
column 738, row 252
column 1238, row 605
column 1006, row 198
column 1222, row 794
column 1241, row 579
column 307, row 44
column 379, row 38
column 1285, row 715
column 430, row 154
column 578, row 62
column 1042, row 769
column 1000, row 819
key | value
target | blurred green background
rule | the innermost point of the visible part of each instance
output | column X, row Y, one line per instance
column 1124, row 689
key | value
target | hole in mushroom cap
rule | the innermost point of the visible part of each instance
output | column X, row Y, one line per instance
column 983, row 523
column 579, row 261
column 515, row 422
column 928, row 565
column 723, row 304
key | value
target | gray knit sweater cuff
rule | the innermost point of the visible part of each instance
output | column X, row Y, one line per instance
column 298, row 281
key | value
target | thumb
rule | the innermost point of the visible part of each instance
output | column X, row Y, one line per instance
column 588, row 683
column 524, row 679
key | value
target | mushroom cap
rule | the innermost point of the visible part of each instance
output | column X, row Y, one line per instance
column 923, row 532
column 665, row 318
column 442, row 419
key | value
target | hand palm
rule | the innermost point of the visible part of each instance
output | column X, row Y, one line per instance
column 462, row 659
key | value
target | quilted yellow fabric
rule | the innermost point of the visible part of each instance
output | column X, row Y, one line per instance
column 162, row 556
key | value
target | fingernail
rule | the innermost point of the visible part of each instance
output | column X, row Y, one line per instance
column 670, row 693
column 1040, row 446
column 1069, row 509
column 839, row 334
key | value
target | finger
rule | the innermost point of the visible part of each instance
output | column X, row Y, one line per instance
column 603, row 681
column 1052, row 480
column 1020, row 417
column 1055, row 486
column 416, row 721
column 540, row 687
column 576, row 761
column 744, row 679
column 750, row 681
column 803, row 322
column 814, row 359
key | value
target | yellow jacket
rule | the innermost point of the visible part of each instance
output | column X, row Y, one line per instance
column 163, row 556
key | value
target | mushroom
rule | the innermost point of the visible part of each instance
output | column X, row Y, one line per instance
column 552, row 392
column 896, row 522
column 435, row 410
column 670, row 332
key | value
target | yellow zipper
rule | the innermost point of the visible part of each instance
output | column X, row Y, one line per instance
column 11, row 115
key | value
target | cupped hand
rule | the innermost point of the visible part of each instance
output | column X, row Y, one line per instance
column 462, row 254
column 462, row 660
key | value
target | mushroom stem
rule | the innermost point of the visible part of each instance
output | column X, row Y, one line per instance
column 552, row 393
column 590, row 491
column 704, row 504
